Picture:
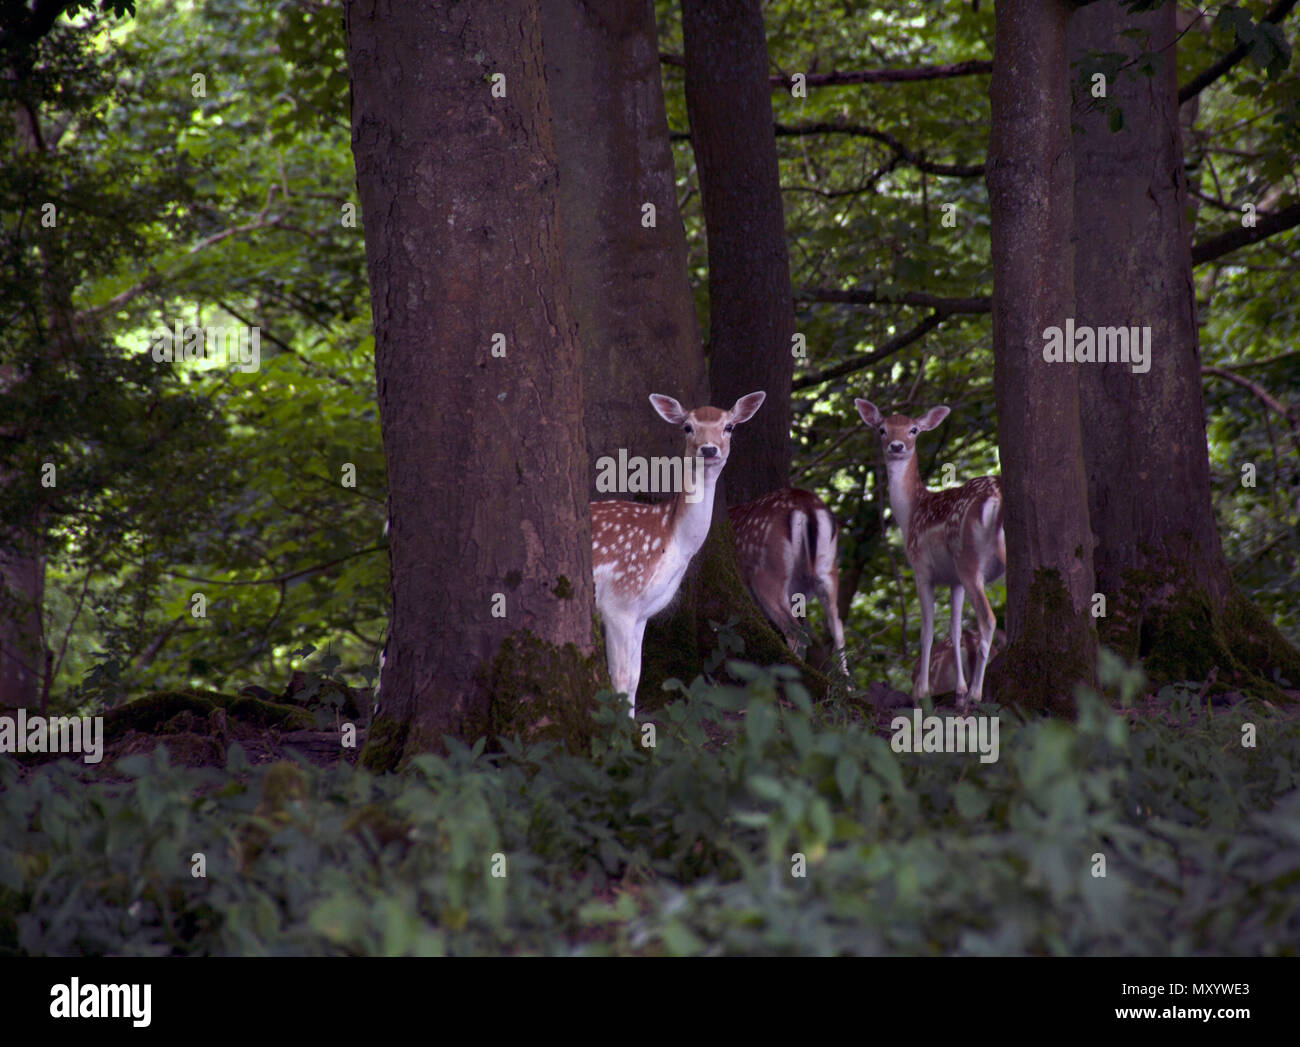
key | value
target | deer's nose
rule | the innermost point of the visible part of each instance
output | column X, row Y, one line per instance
column 896, row 445
column 708, row 451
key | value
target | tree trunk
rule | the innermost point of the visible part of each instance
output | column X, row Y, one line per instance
column 1159, row 562
column 23, row 664
column 490, row 540
column 1049, row 545
column 751, row 311
column 626, row 269
column 22, row 635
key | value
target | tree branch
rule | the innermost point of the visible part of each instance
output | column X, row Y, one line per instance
column 154, row 279
column 1241, row 365
column 919, row 299
column 868, row 76
column 912, row 157
column 1203, row 79
column 283, row 578
column 1266, row 226
column 1260, row 393
column 858, row 363
column 57, row 664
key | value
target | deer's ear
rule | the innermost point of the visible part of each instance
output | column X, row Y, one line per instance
column 744, row 408
column 668, row 408
column 869, row 413
column 932, row 417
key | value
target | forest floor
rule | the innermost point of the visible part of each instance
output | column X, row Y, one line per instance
column 268, row 734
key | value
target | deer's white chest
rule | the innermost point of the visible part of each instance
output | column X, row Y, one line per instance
column 644, row 590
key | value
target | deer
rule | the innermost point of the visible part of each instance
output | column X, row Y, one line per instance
column 951, row 537
column 943, row 671
column 640, row 552
column 786, row 544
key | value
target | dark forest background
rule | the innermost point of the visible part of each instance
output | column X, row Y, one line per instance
column 200, row 162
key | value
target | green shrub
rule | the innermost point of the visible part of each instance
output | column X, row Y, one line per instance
column 687, row 847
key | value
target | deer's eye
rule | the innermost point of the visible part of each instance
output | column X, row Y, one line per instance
column 728, row 427
column 912, row 431
column 882, row 430
column 687, row 428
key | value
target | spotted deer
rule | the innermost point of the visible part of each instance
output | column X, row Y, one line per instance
column 951, row 537
column 786, row 543
column 943, row 670
column 640, row 552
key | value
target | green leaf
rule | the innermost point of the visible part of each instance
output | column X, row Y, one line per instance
column 972, row 803
column 846, row 776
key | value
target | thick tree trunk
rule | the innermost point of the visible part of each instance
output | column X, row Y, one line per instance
column 751, row 311
column 626, row 267
column 1158, row 558
column 490, row 539
column 1049, row 544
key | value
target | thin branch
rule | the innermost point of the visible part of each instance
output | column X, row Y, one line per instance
column 918, row 299
column 1214, row 201
column 311, row 367
column 63, row 647
column 972, row 67
column 858, row 363
column 283, row 578
column 912, row 157
column 146, row 657
column 1203, row 79
column 1241, row 365
column 1268, row 548
column 154, row 279
column 1260, row 393
column 1265, row 226
column 845, row 435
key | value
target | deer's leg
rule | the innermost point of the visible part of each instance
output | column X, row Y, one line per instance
column 954, row 634
column 634, row 664
column 988, row 624
column 776, row 607
column 828, row 594
column 925, row 592
column 617, row 652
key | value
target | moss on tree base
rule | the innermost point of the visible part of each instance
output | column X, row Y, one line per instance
column 530, row 688
column 539, row 691
column 1056, row 649
column 151, row 712
column 1166, row 617
column 385, row 745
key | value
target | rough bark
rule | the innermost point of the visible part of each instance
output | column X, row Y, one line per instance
column 1049, row 545
column 751, row 310
column 1158, row 558
column 629, row 289
column 485, row 454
